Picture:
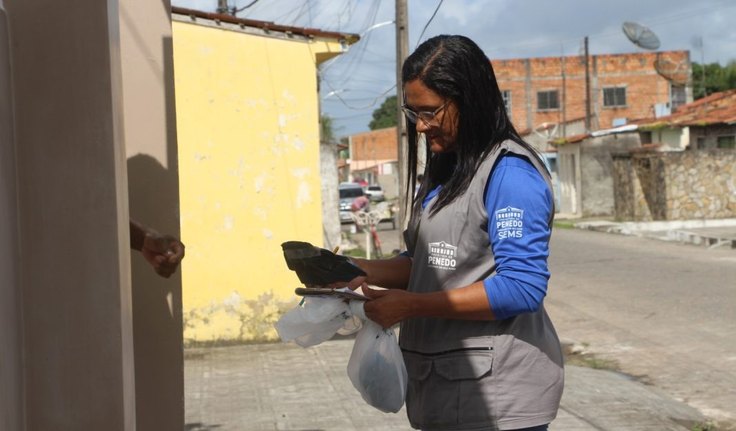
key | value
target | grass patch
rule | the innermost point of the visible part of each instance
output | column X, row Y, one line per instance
column 564, row 224
column 705, row 426
column 574, row 355
column 355, row 252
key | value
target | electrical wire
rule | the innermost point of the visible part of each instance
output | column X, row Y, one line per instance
column 428, row 22
column 238, row 10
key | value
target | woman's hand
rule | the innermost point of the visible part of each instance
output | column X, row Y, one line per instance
column 389, row 307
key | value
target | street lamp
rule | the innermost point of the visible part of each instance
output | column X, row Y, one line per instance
column 335, row 93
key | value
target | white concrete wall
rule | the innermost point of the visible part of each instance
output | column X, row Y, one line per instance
column 330, row 198
column 75, row 270
column 11, row 382
column 149, row 124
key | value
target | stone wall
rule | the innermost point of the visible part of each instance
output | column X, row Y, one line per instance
column 675, row 186
column 701, row 184
column 596, row 171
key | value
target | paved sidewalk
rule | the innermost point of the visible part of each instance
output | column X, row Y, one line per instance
column 707, row 233
column 285, row 387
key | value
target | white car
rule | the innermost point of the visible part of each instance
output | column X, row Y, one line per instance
column 375, row 193
column 348, row 193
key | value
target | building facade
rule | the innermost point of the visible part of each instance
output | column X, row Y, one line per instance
column 374, row 158
column 550, row 92
column 249, row 161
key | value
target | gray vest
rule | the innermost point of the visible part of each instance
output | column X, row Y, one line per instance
column 470, row 374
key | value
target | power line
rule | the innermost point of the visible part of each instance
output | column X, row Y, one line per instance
column 238, row 10
column 430, row 20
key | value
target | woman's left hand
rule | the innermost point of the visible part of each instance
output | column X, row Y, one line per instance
column 388, row 307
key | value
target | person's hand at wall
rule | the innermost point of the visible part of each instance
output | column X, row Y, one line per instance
column 163, row 252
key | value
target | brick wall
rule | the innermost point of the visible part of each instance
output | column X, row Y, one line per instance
column 524, row 78
column 374, row 145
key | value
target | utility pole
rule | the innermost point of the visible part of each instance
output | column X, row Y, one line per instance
column 402, row 51
column 222, row 6
column 587, row 87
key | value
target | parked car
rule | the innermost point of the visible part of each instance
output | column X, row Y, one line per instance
column 348, row 193
column 375, row 193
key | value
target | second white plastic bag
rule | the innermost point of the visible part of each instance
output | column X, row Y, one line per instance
column 376, row 366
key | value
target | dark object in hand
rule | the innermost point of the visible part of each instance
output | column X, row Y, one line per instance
column 318, row 266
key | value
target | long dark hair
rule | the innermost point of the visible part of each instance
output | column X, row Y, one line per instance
column 455, row 68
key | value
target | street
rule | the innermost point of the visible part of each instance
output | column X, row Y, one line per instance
column 665, row 312
column 661, row 315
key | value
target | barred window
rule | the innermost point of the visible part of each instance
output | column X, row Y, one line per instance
column 506, row 94
column 678, row 96
column 726, row 142
column 548, row 100
column 614, row 97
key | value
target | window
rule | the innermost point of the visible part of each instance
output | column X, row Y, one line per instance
column 548, row 100
column 678, row 96
column 700, row 143
column 726, row 142
column 506, row 94
column 614, row 97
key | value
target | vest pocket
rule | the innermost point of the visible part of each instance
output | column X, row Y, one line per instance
column 451, row 389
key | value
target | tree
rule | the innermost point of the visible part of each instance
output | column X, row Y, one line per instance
column 717, row 78
column 385, row 115
column 327, row 128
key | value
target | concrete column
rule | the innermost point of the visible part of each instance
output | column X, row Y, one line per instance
column 74, row 267
column 153, row 184
column 11, row 370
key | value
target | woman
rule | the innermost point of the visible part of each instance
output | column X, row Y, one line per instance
column 480, row 350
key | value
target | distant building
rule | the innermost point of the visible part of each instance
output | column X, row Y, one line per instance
column 373, row 157
column 546, row 96
column 707, row 123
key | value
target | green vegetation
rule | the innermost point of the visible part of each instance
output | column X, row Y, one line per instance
column 385, row 115
column 326, row 128
column 564, row 224
column 706, row 426
column 580, row 358
column 717, row 78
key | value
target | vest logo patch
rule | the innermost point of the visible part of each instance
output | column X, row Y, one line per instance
column 510, row 223
column 442, row 255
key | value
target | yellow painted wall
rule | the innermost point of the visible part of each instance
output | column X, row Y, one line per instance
column 248, row 136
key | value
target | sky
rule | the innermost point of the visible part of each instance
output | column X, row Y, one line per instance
column 356, row 83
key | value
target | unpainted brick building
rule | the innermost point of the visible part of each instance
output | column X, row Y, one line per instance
column 539, row 92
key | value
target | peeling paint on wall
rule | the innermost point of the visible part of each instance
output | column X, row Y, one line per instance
column 298, row 144
column 260, row 182
column 286, row 94
column 303, row 195
column 200, row 157
column 242, row 140
column 262, row 213
column 228, row 223
column 235, row 320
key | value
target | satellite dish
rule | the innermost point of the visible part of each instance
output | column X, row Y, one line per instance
column 675, row 72
column 641, row 36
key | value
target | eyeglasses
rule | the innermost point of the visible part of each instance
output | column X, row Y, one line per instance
column 426, row 116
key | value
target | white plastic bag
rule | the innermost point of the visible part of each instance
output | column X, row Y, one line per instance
column 314, row 321
column 376, row 367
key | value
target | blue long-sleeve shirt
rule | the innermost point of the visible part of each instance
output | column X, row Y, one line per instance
column 520, row 243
